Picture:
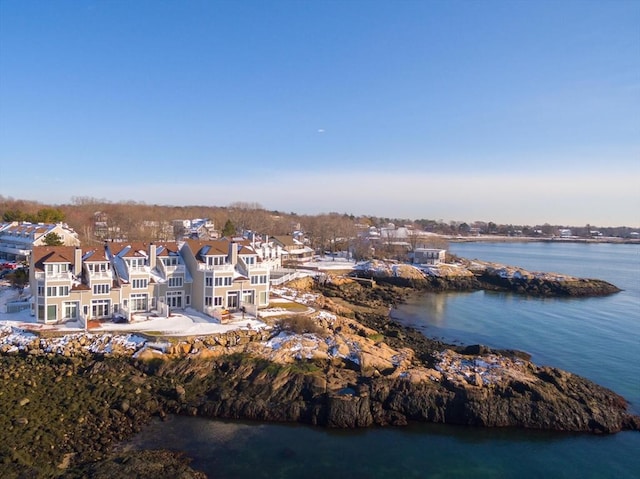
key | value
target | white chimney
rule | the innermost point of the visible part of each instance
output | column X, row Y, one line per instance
column 77, row 261
column 152, row 255
column 233, row 252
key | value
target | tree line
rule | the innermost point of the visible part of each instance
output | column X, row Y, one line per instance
column 327, row 232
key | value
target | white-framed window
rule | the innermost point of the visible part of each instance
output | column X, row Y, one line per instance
column 56, row 268
column 170, row 261
column 223, row 281
column 70, row 310
column 100, row 308
column 259, row 279
column 174, row 299
column 40, row 290
column 249, row 260
column 175, row 282
column 138, row 302
column 98, row 267
column 217, row 301
column 101, row 288
column 207, row 300
column 216, row 260
column 57, row 290
column 140, row 283
column 208, row 281
column 135, row 262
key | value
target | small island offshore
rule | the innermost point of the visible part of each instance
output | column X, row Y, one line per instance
column 328, row 354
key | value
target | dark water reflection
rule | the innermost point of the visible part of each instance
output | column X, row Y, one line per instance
column 225, row 449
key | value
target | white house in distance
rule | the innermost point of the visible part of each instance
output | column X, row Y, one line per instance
column 291, row 249
column 18, row 239
column 430, row 256
column 198, row 228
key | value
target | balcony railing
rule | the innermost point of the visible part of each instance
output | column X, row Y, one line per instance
column 101, row 275
column 215, row 267
column 139, row 269
column 174, row 268
column 66, row 276
column 257, row 267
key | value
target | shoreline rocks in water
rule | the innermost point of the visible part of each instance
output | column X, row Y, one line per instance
column 466, row 275
column 68, row 400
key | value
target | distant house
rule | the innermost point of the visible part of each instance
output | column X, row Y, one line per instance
column 430, row 256
column 198, row 228
column 564, row 233
column 269, row 252
column 18, row 239
column 292, row 249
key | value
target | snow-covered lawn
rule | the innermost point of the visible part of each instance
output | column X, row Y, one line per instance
column 186, row 323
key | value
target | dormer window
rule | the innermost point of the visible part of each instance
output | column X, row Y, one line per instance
column 135, row 262
column 98, row 267
column 57, row 268
column 170, row 261
column 249, row 260
column 215, row 260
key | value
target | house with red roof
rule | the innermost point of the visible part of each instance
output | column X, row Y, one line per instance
column 119, row 279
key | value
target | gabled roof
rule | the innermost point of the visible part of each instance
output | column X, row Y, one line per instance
column 287, row 241
column 135, row 249
column 246, row 250
column 167, row 249
column 95, row 256
column 52, row 254
column 30, row 232
column 200, row 249
column 120, row 251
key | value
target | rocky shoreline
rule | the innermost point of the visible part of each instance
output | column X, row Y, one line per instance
column 67, row 401
column 466, row 275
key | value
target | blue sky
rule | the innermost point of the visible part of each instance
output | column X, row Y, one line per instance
column 508, row 111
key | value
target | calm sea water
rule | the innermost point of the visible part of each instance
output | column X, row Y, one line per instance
column 598, row 338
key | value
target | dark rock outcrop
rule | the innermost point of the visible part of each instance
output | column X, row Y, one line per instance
column 542, row 398
column 158, row 464
column 576, row 287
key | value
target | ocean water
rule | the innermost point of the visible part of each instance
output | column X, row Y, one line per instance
column 598, row 338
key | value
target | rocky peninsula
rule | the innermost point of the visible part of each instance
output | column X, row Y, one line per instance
column 469, row 275
column 67, row 400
